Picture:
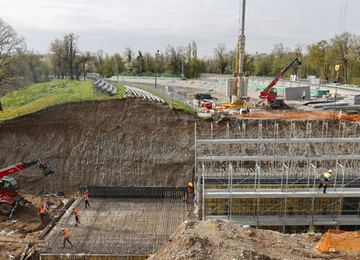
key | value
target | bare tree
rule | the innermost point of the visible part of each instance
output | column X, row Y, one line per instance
column 66, row 50
column 84, row 59
column 10, row 44
column 221, row 57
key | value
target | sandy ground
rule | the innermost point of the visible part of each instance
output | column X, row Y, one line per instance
column 26, row 226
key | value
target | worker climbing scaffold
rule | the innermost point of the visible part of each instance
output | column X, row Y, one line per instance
column 324, row 179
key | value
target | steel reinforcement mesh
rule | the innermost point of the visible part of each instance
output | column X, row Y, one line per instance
column 122, row 221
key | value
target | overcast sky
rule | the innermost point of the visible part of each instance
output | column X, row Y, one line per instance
column 147, row 26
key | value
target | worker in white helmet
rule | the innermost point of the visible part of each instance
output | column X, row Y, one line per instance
column 324, row 179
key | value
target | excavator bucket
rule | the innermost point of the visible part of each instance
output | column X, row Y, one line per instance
column 47, row 169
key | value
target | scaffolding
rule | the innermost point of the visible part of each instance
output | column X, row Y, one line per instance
column 264, row 173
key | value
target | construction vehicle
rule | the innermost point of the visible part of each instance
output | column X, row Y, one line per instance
column 239, row 99
column 337, row 69
column 10, row 196
column 269, row 94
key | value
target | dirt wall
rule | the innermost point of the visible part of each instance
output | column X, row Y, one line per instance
column 128, row 142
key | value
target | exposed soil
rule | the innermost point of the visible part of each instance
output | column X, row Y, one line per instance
column 128, row 142
column 217, row 239
column 26, row 226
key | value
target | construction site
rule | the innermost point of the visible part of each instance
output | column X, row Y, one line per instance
column 136, row 156
column 256, row 161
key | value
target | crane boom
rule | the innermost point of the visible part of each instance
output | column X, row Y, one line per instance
column 10, row 196
column 23, row 165
column 271, row 95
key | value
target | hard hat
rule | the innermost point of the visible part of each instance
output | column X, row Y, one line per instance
column 63, row 229
column 330, row 170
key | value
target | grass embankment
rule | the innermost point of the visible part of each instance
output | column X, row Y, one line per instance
column 180, row 106
column 39, row 96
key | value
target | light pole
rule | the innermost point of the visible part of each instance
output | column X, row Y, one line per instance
column 156, row 58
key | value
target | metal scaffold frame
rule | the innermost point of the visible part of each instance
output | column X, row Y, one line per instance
column 265, row 174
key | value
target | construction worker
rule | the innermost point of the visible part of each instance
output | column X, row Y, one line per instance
column 86, row 198
column 42, row 212
column 303, row 95
column 76, row 213
column 185, row 198
column 190, row 187
column 66, row 236
column 324, row 179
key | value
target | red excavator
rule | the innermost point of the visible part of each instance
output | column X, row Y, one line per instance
column 10, row 196
column 269, row 95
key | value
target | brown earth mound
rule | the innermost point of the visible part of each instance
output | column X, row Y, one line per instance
column 217, row 239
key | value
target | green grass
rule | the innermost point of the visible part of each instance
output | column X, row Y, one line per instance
column 180, row 106
column 39, row 96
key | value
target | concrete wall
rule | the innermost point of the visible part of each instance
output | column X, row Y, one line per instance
column 296, row 93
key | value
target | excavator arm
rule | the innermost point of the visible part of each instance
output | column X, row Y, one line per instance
column 268, row 93
column 10, row 196
column 47, row 169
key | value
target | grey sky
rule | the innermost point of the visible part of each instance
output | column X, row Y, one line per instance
column 113, row 25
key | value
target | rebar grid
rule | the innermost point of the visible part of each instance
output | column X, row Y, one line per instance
column 118, row 224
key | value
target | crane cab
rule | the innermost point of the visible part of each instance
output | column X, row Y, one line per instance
column 273, row 91
column 9, row 186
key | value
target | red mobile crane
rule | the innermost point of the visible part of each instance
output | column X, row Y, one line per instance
column 10, row 196
column 269, row 95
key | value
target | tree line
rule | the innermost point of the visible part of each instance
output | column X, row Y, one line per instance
column 336, row 59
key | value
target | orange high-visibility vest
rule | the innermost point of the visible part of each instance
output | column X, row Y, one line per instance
column 41, row 209
column 65, row 233
column 86, row 196
column 76, row 212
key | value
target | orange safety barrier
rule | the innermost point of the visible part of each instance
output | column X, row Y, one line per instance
column 339, row 240
column 29, row 108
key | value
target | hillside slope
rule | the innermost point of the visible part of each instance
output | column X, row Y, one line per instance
column 127, row 142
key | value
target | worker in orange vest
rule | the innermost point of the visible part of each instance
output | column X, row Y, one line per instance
column 76, row 213
column 66, row 236
column 190, row 187
column 185, row 198
column 86, row 198
column 42, row 212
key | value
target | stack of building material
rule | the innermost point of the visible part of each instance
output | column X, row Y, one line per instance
column 353, row 99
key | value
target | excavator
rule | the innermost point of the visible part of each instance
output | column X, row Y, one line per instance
column 10, row 196
column 269, row 94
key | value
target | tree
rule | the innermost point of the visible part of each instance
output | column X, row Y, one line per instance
column 139, row 64
column 194, row 67
column 66, row 51
column 221, row 57
column 319, row 56
column 84, row 59
column 38, row 69
column 10, row 44
column 340, row 46
column 194, row 49
column 175, row 59
column 119, row 63
column 128, row 59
